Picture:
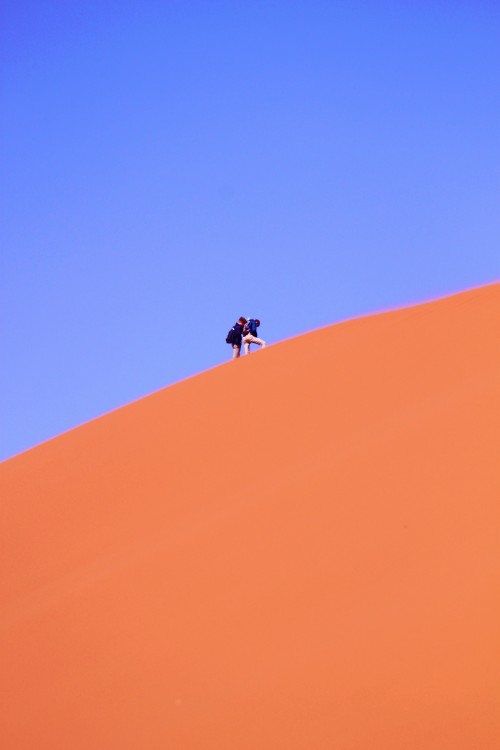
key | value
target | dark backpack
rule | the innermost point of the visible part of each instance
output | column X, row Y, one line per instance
column 250, row 327
column 231, row 336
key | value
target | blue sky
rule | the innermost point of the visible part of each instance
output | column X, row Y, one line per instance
column 169, row 166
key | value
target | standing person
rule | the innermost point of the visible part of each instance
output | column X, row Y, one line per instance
column 250, row 334
column 234, row 336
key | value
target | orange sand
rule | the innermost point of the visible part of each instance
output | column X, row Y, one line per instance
column 299, row 549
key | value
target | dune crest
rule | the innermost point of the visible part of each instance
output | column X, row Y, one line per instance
column 297, row 550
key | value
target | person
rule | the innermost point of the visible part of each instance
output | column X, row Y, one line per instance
column 250, row 334
column 236, row 336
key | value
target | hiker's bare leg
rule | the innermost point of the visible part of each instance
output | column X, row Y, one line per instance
column 236, row 351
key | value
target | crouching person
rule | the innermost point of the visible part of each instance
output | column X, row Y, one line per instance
column 250, row 334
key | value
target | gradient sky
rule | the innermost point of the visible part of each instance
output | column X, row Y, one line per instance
column 169, row 166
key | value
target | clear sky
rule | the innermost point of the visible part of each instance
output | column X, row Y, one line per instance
column 170, row 165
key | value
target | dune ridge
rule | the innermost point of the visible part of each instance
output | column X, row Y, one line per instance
column 295, row 550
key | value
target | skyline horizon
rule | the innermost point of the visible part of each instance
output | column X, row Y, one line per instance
column 229, row 360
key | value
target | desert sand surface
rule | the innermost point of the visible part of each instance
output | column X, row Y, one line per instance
column 299, row 549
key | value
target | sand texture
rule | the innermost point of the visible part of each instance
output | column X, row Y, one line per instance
column 296, row 550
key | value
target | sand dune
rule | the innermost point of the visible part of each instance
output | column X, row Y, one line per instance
column 299, row 549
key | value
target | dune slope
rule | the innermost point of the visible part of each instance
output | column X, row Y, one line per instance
column 299, row 549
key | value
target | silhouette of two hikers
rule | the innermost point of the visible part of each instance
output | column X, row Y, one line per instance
column 244, row 331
